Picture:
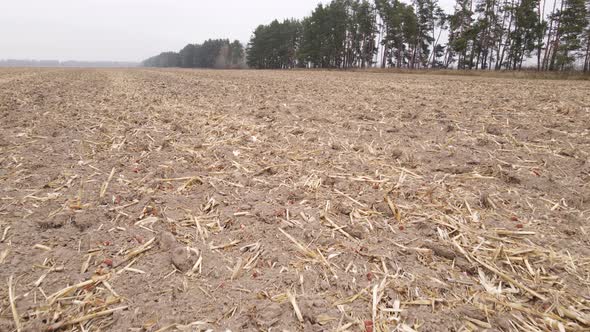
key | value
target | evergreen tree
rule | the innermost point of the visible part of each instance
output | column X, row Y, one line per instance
column 525, row 34
column 364, row 30
column 188, row 56
column 572, row 20
column 274, row 46
column 461, row 35
column 440, row 22
column 425, row 22
column 236, row 54
column 400, row 32
column 489, row 31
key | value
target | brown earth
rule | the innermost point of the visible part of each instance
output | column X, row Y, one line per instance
column 162, row 200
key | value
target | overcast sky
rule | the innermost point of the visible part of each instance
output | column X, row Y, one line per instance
column 131, row 30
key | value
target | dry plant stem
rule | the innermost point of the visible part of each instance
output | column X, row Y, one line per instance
column 394, row 209
column 511, row 280
column 11, row 299
column 105, row 186
column 137, row 251
column 84, row 318
column 302, row 249
column 338, row 228
column 54, row 297
column 295, row 306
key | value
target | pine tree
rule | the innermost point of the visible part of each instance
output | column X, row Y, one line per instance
column 461, row 34
column 425, row 23
column 314, row 39
column 188, row 56
column 489, row 31
column 572, row 21
column 525, row 34
column 440, row 22
column 274, row 46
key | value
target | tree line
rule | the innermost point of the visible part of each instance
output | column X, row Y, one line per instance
column 479, row 34
column 213, row 53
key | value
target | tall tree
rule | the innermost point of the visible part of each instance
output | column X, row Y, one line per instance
column 572, row 21
column 525, row 34
column 364, row 28
column 188, row 56
column 489, row 31
column 425, row 24
column 274, row 46
column 461, row 34
column 440, row 22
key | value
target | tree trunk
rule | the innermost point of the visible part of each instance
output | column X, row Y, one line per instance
column 478, row 56
column 556, row 43
column 380, row 46
column 498, row 64
column 501, row 60
column 414, row 50
column 384, row 56
column 540, row 40
column 549, row 35
column 490, row 42
column 587, row 58
column 486, row 36
column 434, row 48
column 385, row 45
column 400, row 55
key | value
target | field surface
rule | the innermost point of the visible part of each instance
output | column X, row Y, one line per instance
column 173, row 200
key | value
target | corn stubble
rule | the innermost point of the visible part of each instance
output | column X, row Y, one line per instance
column 180, row 200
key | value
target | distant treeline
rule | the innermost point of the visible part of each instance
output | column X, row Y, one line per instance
column 213, row 53
column 479, row 34
column 56, row 63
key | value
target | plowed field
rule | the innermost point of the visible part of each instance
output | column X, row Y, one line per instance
column 180, row 200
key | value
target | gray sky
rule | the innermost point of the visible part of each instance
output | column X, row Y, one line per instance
column 131, row 30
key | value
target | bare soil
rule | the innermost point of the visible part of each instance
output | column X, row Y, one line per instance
column 181, row 200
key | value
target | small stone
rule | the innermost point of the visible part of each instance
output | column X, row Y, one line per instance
column 271, row 315
column 329, row 181
column 396, row 153
column 57, row 221
column 383, row 208
column 183, row 258
column 356, row 231
column 493, row 130
column 245, row 207
column 344, row 209
column 83, row 221
column 167, row 241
